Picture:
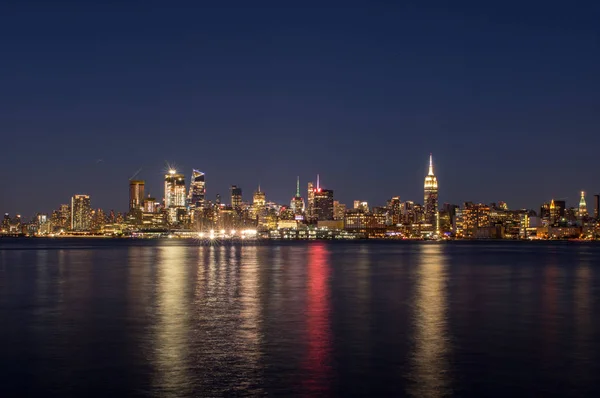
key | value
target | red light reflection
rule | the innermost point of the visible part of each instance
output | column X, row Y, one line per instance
column 317, row 360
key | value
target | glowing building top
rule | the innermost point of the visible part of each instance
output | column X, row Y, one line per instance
column 582, row 205
column 430, row 198
column 430, row 180
column 297, row 202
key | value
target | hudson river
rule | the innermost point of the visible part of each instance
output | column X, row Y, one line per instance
column 107, row 318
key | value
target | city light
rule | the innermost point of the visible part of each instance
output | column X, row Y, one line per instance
column 183, row 213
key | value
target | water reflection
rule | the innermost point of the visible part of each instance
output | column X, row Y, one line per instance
column 172, row 327
column 317, row 360
column 249, row 332
column 429, row 367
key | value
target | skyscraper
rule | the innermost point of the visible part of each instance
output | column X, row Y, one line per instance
column 339, row 210
column 582, row 206
column 197, row 194
column 259, row 199
column 310, row 206
column 136, row 194
column 297, row 202
column 597, row 207
column 323, row 203
column 236, row 197
column 81, row 213
column 430, row 201
column 174, row 190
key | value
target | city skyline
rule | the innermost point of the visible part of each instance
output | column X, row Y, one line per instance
column 247, row 197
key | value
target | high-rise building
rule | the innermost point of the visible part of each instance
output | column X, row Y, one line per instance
column 310, row 205
column 430, row 201
column 136, row 194
column 64, row 216
column 259, row 198
column 582, row 206
column 259, row 201
column 394, row 210
column 297, row 202
column 361, row 205
column 98, row 220
column 323, row 204
column 339, row 210
column 597, row 207
column 174, row 190
column 236, row 197
column 149, row 205
column 81, row 212
column 197, row 194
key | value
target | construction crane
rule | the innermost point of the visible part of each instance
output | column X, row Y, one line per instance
column 135, row 174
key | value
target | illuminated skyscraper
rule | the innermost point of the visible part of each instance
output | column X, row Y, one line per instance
column 554, row 212
column 430, row 201
column 236, row 197
column 597, row 207
column 310, row 208
column 339, row 210
column 323, row 203
column 259, row 199
column 174, row 190
column 81, row 213
column 582, row 206
column 197, row 194
column 136, row 194
column 297, row 202
column 394, row 210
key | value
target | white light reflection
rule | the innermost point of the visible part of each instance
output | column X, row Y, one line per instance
column 429, row 368
column 250, row 314
column 171, row 337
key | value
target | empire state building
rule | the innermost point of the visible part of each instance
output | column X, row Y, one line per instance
column 430, row 200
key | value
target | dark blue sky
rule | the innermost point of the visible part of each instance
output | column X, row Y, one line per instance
column 506, row 96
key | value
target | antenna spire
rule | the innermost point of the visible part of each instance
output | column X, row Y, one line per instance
column 298, row 186
column 430, row 164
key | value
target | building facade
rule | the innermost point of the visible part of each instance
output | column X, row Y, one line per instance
column 236, row 197
column 430, row 199
column 81, row 213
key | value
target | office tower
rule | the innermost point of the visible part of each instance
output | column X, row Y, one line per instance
column 64, row 216
column 98, row 219
column 259, row 198
column 361, row 205
column 6, row 223
column 310, row 205
column 174, row 190
column 197, row 194
column 394, row 209
column 597, row 207
column 430, row 201
column 339, row 210
column 323, row 203
column 297, row 202
column 582, row 206
column 81, row 212
column 149, row 205
column 554, row 212
column 236, row 197
column 136, row 194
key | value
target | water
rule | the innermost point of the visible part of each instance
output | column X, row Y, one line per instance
column 168, row 319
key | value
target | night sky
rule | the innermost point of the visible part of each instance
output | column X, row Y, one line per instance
column 506, row 96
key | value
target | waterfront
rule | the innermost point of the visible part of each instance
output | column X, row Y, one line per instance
column 174, row 318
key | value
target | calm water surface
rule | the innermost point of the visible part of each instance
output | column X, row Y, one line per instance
column 175, row 319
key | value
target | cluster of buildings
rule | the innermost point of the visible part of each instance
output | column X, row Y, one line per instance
column 185, row 211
